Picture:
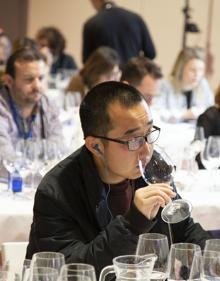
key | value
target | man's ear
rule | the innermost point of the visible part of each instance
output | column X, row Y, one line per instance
column 94, row 145
column 8, row 80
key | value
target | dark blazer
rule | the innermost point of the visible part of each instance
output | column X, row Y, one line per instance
column 71, row 215
column 119, row 29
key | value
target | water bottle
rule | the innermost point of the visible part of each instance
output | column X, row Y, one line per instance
column 16, row 182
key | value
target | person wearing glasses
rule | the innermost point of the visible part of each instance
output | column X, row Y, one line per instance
column 93, row 205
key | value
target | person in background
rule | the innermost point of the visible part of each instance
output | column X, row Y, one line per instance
column 186, row 94
column 144, row 75
column 24, row 42
column 5, row 47
column 27, row 42
column 210, row 119
column 97, row 202
column 119, row 29
column 52, row 44
column 102, row 65
column 25, row 112
column 5, row 51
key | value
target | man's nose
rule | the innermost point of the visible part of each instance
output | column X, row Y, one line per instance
column 37, row 84
column 146, row 148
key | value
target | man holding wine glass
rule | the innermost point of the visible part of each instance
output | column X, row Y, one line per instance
column 96, row 201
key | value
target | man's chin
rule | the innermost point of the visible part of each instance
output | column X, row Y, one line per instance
column 136, row 174
column 36, row 98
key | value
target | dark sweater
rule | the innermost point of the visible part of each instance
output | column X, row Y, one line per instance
column 119, row 29
column 210, row 121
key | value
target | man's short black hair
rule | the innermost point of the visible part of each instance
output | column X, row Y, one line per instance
column 22, row 55
column 94, row 114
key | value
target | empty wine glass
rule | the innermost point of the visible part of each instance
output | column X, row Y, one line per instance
column 210, row 156
column 78, row 272
column 210, row 266
column 199, row 140
column 72, row 100
column 48, row 259
column 26, row 270
column 212, row 245
column 160, row 169
column 211, row 153
column 155, row 243
column 44, row 274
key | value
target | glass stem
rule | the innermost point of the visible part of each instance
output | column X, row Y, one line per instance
column 170, row 233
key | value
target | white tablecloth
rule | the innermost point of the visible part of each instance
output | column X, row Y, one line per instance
column 16, row 214
column 205, row 197
column 175, row 138
column 15, row 218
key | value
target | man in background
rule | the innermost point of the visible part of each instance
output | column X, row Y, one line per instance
column 144, row 75
column 25, row 112
column 119, row 29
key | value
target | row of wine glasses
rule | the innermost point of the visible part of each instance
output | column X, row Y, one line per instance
column 152, row 261
column 184, row 261
column 50, row 266
column 32, row 159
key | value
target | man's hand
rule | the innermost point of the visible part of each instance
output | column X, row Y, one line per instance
column 149, row 199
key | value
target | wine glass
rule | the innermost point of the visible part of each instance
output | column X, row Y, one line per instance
column 210, row 156
column 26, row 270
column 160, row 169
column 48, row 259
column 199, row 140
column 77, row 272
column 212, row 245
column 211, row 153
column 44, row 274
column 72, row 100
column 180, row 261
column 7, row 275
column 149, row 243
column 210, row 266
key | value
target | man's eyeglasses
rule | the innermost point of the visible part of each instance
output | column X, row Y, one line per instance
column 137, row 142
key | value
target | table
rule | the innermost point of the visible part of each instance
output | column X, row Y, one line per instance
column 204, row 197
column 175, row 139
column 15, row 218
column 16, row 213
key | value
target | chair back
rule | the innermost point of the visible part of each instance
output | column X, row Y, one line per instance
column 13, row 254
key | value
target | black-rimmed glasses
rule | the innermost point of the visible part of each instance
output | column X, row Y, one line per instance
column 136, row 142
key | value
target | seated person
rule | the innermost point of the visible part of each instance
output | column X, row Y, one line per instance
column 95, row 206
column 187, row 93
column 5, row 51
column 144, row 75
column 25, row 112
column 52, row 44
column 101, row 66
column 210, row 119
column 24, row 42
